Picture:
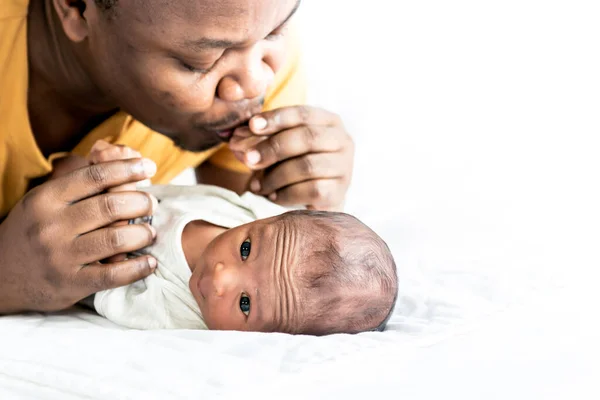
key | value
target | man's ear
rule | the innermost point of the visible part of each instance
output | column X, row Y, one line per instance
column 70, row 13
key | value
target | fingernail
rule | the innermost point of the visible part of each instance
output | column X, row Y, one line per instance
column 152, row 263
column 259, row 123
column 154, row 204
column 255, row 185
column 149, row 167
column 253, row 157
column 153, row 230
column 273, row 196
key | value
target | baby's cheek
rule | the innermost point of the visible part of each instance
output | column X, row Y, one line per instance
column 211, row 321
column 219, row 319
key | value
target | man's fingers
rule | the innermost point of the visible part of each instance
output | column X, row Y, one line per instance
column 130, row 187
column 300, row 169
column 320, row 194
column 243, row 139
column 88, row 181
column 274, row 121
column 241, row 133
column 98, row 277
column 293, row 143
column 103, row 151
column 117, row 258
column 107, row 242
column 98, row 211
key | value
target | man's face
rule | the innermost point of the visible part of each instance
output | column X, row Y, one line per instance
column 190, row 69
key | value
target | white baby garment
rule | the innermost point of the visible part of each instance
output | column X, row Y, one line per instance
column 163, row 300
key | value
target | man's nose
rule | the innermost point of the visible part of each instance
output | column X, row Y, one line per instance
column 225, row 279
column 249, row 80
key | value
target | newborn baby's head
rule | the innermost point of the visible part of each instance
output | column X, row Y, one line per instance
column 303, row 272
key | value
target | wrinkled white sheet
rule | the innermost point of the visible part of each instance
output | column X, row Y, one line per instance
column 476, row 128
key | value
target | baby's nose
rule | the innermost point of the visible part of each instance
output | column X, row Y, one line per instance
column 225, row 279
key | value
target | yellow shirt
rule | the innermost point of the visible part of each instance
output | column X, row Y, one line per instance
column 20, row 158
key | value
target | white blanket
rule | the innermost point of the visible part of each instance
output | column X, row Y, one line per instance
column 476, row 126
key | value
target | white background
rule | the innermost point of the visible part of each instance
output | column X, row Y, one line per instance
column 477, row 127
column 476, row 118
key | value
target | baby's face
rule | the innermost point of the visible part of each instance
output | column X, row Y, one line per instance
column 245, row 278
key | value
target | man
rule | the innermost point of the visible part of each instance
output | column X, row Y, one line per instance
column 212, row 84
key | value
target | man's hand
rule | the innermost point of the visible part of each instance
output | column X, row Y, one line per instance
column 304, row 152
column 102, row 152
column 52, row 239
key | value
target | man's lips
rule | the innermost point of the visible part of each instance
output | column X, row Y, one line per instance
column 225, row 134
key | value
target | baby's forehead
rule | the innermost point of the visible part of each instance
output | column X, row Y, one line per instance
column 288, row 226
column 304, row 224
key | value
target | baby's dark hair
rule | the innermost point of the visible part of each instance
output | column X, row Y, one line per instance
column 347, row 275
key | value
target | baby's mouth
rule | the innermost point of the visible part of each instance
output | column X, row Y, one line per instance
column 199, row 287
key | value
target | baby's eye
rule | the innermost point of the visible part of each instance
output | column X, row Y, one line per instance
column 245, row 304
column 245, row 249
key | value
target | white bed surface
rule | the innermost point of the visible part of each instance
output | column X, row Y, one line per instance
column 477, row 161
column 544, row 346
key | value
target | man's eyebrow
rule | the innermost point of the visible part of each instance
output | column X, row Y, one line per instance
column 210, row 43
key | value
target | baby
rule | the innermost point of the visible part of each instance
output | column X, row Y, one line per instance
column 230, row 262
